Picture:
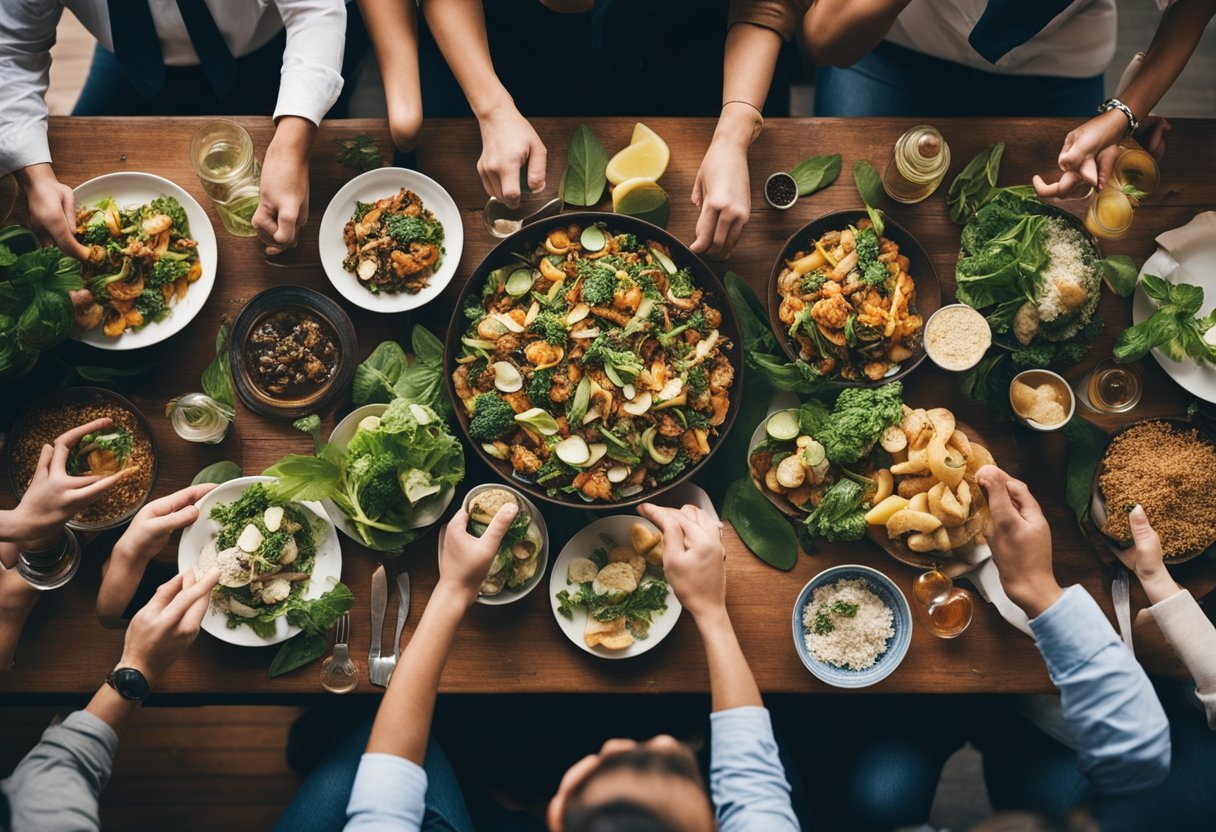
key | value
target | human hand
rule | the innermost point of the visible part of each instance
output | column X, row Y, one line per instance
column 694, row 558
column 1020, row 540
column 1089, row 152
column 168, row 624
column 52, row 208
column 152, row 525
column 283, row 195
column 54, row 496
column 722, row 191
column 509, row 146
column 465, row 560
column 1145, row 558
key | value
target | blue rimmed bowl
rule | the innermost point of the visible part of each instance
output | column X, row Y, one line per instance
column 897, row 644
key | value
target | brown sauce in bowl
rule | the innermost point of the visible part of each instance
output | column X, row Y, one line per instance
column 291, row 354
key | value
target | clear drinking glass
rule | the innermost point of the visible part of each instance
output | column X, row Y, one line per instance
column 221, row 153
column 1110, row 387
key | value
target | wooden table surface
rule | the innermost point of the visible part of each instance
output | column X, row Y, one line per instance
column 65, row 652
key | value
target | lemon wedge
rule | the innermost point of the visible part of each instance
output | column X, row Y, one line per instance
column 643, row 133
column 646, row 157
column 643, row 198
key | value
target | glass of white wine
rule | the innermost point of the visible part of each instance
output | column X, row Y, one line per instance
column 221, row 153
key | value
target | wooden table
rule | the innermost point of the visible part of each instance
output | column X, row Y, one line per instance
column 65, row 652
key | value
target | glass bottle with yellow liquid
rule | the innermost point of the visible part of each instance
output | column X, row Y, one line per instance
column 221, row 153
column 917, row 165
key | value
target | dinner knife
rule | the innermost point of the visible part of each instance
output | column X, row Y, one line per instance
column 403, row 612
column 379, row 605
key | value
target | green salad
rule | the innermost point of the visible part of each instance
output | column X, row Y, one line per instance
column 265, row 550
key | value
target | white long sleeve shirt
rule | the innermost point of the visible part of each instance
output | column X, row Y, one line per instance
column 312, row 60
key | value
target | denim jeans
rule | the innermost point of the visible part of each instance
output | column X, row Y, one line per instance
column 894, row 81
column 320, row 803
column 187, row 92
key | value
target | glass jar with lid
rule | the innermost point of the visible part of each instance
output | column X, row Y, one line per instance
column 918, row 164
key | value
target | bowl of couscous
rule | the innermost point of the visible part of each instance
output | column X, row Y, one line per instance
column 852, row 626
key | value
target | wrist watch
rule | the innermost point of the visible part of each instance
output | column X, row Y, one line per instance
column 130, row 683
column 1109, row 104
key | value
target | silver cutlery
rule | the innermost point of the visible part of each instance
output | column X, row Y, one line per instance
column 380, row 667
column 1120, row 596
column 339, row 673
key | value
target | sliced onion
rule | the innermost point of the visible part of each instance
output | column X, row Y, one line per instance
column 533, row 311
column 618, row 473
column 506, row 377
column 639, row 404
column 577, row 313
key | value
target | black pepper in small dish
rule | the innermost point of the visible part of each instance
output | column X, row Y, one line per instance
column 291, row 354
column 781, row 190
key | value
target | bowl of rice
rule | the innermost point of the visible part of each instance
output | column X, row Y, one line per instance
column 852, row 626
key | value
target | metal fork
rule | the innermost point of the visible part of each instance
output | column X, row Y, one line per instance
column 380, row 668
column 339, row 673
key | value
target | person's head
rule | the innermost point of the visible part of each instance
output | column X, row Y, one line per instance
column 654, row 786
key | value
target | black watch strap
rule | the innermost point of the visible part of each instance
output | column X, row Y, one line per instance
column 130, row 683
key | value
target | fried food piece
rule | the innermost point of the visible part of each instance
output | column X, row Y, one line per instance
column 611, row 634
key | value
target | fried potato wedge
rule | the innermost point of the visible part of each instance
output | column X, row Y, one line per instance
column 882, row 511
column 902, row 522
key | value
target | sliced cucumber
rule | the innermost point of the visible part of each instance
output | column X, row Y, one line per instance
column 539, row 420
column 782, row 425
column 573, row 450
column 593, row 238
column 493, row 450
column 520, row 282
column 655, row 453
column 663, row 260
column 812, row 454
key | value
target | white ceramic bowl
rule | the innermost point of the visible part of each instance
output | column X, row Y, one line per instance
column 1039, row 426
column 510, row 596
column 130, row 188
column 380, row 184
column 328, row 564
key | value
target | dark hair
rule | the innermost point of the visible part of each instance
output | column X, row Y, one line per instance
column 614, row 816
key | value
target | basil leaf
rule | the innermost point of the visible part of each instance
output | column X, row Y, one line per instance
column 869, row 186
column 422, row 381
column 975, row 185
column 217, row 472
column 1120, row 272
column 584, row 180
column 376, row 375
column 1086, row 444
column 761, row 527
column 301, row 649
column 319, row 614
column 816, row 173
column 217, row 377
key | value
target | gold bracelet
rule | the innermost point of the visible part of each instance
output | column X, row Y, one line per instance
column 758, row 127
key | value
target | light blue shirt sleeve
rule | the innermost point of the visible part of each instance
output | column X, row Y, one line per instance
column 389, row 794
column 1121, row 732
column 746, row 780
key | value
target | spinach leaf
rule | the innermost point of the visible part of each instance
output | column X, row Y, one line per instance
column 816, row 173
column 1173, row 327
column 375, row 377
column 217, row 472
column 761, row 527
column 297, row 651
column 360, row 153
column 975, row 184
column 586, row 163
column 1086, row 444
column 422, row 381
column 1120, row 272
column 869, row 186
column 314, row 618
column 217, row 377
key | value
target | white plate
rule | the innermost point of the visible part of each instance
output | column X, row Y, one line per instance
column 369, row 187
column 580, row 546
column 510, row 596
column 1200, row 270
column 341, row 436
column 327, row 565
column 130, row 189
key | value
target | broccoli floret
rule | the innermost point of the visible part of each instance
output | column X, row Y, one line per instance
column 697, row 381
column 550, row 326
column 492, row 418
column 627, row 242
column 171, row 207
column 96, row 232
column 647, row 285
column 599, row 283
column 405, row 229
column 166, row 271
column 539, row 385
column 697, row 419
column 553, row 470
column 680, row 284
column 694, row 321
column 151, row 304
column 873, row 272
column 813, row 282
column 625, row 362
column 372, row 483
column 674, row 468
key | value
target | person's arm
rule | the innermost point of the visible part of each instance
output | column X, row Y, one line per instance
column 17, row 600
column 747, row 781
column 1089, row 151
column 56, row 786
column 509, row 144
column 1174, row 610
column 310, row 83
column 144, row 538
column 393, row 28
column 390, row 786
column 1120, row 730
column 842, row 32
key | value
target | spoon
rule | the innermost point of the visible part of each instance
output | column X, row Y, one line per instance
column 502, row 220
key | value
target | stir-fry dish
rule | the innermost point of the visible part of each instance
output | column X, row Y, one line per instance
column 594, row 366
column 141, row 262
column 101, row 453
column 265, row 551
column 519, row 553
column 292, row 353
column 622, row 587
column 393, row 245
column 850, row 304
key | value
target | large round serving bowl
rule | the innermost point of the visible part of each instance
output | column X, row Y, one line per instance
column 526, row 239
column 924, row 276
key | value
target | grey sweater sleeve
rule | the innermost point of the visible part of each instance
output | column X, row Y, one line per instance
column 56, row 786
column 1193, row 638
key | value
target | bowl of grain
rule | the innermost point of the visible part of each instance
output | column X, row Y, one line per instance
column 852, row 626
column 59, row 412
column 1167, row 466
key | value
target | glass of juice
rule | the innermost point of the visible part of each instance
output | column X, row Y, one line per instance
column 221, row 153
column 1136, row 172
column 1111, row 387
column 1110, row 214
